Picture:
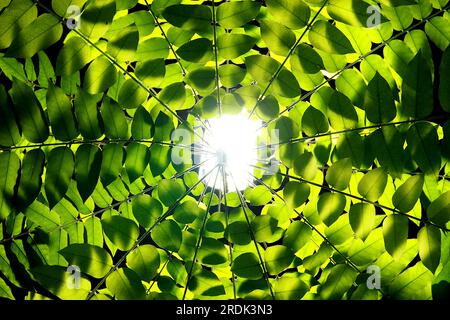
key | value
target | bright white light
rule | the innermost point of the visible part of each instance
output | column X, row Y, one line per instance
column 233, row 140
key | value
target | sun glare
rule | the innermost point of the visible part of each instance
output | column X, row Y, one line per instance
column 232, row 140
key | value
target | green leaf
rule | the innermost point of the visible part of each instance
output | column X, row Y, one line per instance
column 231, row 46
column 444, row 72
column 306, row 166
column 38, row 35
column 397, row 3
column 294, row 15
column 91, row 260
column 153, row 48
column 350, row 145
column 278, row 38
column 40, row 214
column 60, row 114
column 395, row 233
column 138, row 156
column 146, row 210
column 378, row 102
column 232, row 104
column 168, row 235
column 5, row 291
column 142, row 125
column 277, row 259
column 12, row 69
column 123, row 44
column 151, row 72
column 362, row 219
column 100, row 76
column 57, row 281
column 287, row 129
column 163, row 127
column 189, row 17
column 330, row 206
column 439, row 210
column 306, row 60
column 258, row 196
column 206, row 284
column 342, row 113
column 57, row 240
column 131, row 94
column 265, row 229
column 94, row 231
column 413, row 283
column 186, row 212
column 296, row 193
column 423, row 143
column 145, row 261
column 237, row 13
column 121, row 231
column 88, row 161
column 60, row 167
column 268, row 108
column 247, row 266
column 298, row 235
column 88, row 115
column 174, row 95
column 125, row 284
column 340, row 231
column 314, row 122
column 169, row 191
column 352, row 84
column 15, row 17
column 46, row 71
column 116, row 124
column 398, row 55
column 406, row 196
column 60, row 6
column 263, row 68
column 417, row 89
column 352, row 12
column 9, row 166
column 438, row 31
column 290, row 288
column 29, row 69
column 125, row 4
column 238, row 233
column 339, row 174
column 387, row 145
column 440, row 284
column 429, row 241
column 159, row 160
column 202, row 79
column 30, row 178
column 212, row 252
column 9, row 130
column 326, row 37
column 231, row 75
column 73, row 56
column 373, row 184
column 144, row 22
column 29, row 111
column 96, row 19
column 339, row 280
column 198, row 50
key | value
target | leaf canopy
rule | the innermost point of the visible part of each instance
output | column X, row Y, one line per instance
column 107, row 161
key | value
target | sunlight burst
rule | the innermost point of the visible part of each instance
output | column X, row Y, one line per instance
column 233, row 139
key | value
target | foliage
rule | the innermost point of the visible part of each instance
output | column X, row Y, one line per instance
column 88, row 104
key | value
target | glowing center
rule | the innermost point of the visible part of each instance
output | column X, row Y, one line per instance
column 232, row 139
